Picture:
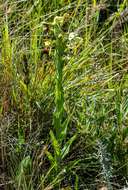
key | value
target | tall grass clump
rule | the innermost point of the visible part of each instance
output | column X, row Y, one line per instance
column 7, row 67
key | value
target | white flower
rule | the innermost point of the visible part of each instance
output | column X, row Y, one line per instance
column 72, row 35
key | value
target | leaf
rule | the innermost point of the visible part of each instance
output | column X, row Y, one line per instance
column 63, row 132
column 125, row 132
column 26, row 162
column 23, row 167
column 66, row 147
column 76, row 182
column 64, row 127
column 23, row 87
column 55, row 144
column 50, row 157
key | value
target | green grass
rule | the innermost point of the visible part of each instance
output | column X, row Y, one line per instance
column 63, row 96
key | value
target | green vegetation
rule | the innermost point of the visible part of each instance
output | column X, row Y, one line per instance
column 63, row 96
